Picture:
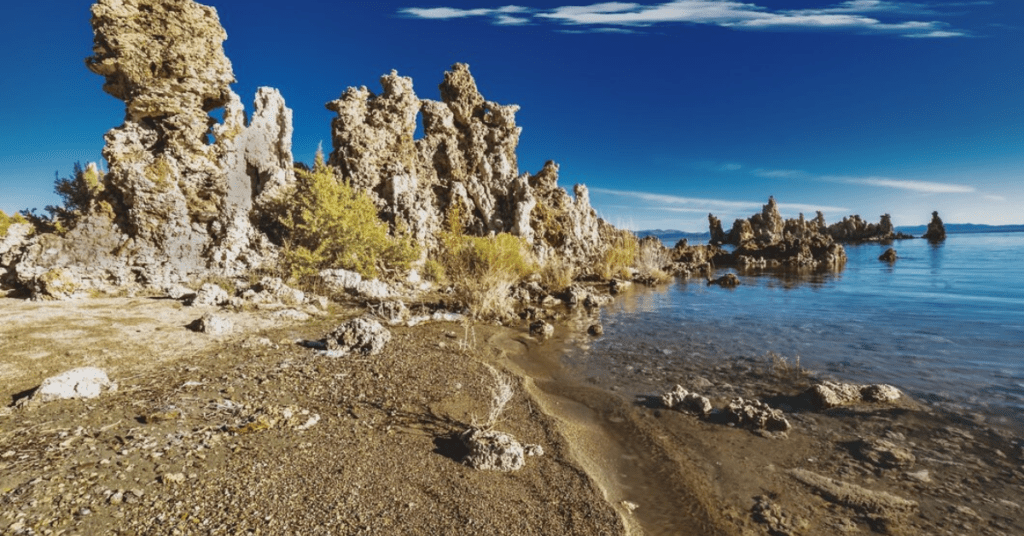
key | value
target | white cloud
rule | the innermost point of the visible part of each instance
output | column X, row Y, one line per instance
column 445, row 12
column 696, row 204
column 506, row 20
column 780, row 173
column 997, row 198
column 913, row 186
column 937, row 34
column 848, row 15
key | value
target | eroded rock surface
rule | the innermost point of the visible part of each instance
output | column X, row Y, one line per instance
column 756, row 415
column 681, row 399
column 467, row 156
column 84, row 382
column 828, row 395
column 490, row 450
column 184, row 195
column 362, row 335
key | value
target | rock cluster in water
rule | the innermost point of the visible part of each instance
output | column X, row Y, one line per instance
column 765, row 240
column 187, row 195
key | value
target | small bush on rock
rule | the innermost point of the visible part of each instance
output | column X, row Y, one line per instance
column 331, row 225
column 7, row 221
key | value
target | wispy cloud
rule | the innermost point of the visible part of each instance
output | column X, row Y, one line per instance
column 997, row 198
column 674, row 203
column 506, row 15
column 924, row 187
column 861, row 16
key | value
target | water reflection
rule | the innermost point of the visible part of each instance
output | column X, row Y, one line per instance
column 928, row 324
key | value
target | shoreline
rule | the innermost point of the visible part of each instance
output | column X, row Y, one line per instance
column 648, row 470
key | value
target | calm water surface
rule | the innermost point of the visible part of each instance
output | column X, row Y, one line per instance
column 945, row 322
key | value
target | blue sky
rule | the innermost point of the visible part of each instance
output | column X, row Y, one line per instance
column 666, row 110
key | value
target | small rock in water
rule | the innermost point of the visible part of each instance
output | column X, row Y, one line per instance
column 596, row 330
column 727, row 281
column 542, row 329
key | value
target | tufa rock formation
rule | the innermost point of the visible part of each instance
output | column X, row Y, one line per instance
column 467, row 156
column 184, row 194
column 187, row 195
column 936, row 230
column 765, row 240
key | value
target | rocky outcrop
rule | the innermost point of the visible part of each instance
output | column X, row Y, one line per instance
column 187, row 195
column 184, row 194
column 936, row 230
column 854, row 229
column 889, row 256
column 765, row 240
column 466, row 156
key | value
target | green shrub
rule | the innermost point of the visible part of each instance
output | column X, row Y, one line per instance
column 77, row 193
column 7, row 221
column 328, row 224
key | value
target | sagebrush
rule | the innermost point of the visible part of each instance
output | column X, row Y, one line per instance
column 329, row 224
column 620, row 256
column 481, row 269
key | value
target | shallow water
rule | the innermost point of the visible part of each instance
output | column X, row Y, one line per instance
column 945, row 322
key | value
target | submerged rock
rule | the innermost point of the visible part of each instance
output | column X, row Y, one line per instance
column 541, row 329
column 727, row 281
column 84, row 382
column 888, row 256
column 491, row 450
column 363, row 335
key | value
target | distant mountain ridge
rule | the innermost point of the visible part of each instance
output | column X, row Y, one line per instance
column 670, row 236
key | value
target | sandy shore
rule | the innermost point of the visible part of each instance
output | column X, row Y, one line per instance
column 252, row 433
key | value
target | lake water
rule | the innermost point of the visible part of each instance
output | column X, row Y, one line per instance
column 945, row 322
